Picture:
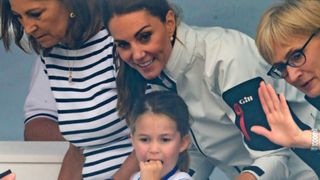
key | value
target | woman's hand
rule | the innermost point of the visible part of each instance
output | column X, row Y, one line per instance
column 8, row 175
column 245, row 176
column 150, row 170
column 11, row 176
column 284, row 131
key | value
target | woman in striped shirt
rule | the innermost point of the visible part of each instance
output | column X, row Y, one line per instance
column 75, row 61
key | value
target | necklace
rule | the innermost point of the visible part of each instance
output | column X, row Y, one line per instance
column 71, row 60
column 70, row 70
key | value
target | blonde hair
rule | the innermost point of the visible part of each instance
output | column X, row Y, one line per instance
column 284, row 22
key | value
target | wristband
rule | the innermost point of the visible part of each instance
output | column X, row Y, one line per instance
column 314, row 140
column 5, row 173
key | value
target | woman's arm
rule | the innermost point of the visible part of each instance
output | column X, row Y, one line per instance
column 40, row 108
column 71, row 168
column 128, row 168
column 42, row 129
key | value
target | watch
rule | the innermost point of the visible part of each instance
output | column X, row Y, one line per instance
column 314, row 140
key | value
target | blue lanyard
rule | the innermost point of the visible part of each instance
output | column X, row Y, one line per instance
column 171, row 173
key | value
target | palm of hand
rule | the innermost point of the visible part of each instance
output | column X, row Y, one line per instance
column 284, row 131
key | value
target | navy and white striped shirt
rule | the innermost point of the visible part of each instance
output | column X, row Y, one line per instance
column 86, row 107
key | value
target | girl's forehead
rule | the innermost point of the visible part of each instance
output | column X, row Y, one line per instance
column 154, row 119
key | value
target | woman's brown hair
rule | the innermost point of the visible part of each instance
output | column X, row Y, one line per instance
column 81, row 28
column 130, row 84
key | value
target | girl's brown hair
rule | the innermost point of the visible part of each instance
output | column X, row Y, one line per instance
column 169, row 104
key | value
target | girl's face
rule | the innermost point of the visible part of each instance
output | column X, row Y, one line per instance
column 143, row 41
column 44, row 20
column 306, row 77
column 156, row 138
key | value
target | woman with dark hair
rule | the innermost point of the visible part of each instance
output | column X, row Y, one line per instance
column 200, row 64
column 73, row 88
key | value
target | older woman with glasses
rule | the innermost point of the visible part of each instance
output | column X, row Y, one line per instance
column 288, row 38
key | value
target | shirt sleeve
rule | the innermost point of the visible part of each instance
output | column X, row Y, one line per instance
column 135, row 176
column 240, row 61
column 181, row 176
column 39, row 101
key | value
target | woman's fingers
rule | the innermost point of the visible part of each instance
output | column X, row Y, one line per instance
column 284, row 104
column 263, row 99
column 274, row 98
column 269, row 99
column 261, row 131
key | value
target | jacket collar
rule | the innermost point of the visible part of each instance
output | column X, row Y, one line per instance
column 182, row 52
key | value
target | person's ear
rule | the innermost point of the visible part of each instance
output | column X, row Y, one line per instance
column 170, row 23
column 185, row 142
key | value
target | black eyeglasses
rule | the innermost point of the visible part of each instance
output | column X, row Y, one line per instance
column 295, row 59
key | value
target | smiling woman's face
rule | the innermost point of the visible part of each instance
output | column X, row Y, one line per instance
column 307, row 77
column 44, row 20
column 143, row 41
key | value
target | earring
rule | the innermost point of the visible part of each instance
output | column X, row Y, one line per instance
column 173, row 37
column 72, row 15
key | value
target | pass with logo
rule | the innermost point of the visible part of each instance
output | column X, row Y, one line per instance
column 244, row 101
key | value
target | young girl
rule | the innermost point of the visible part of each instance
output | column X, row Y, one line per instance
column 159, row 130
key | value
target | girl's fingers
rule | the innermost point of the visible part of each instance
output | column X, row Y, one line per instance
column 149, row 164
column 141, row 164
